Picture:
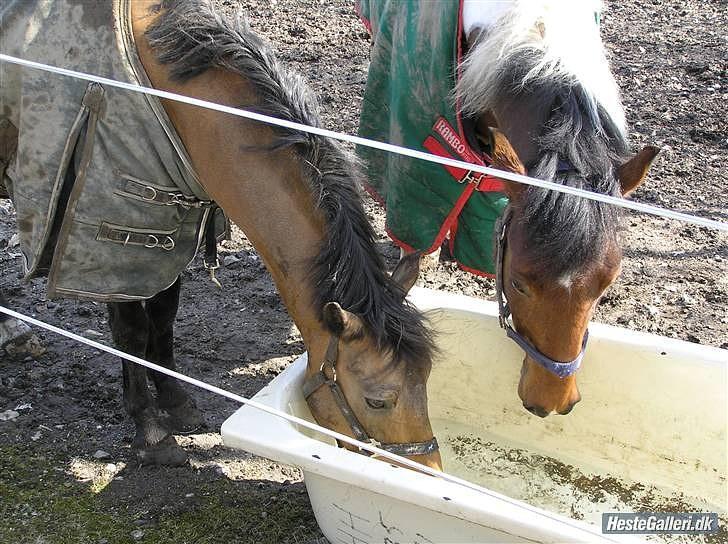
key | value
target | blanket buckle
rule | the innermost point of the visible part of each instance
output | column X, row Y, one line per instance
column 472, row 177
column 211, row 268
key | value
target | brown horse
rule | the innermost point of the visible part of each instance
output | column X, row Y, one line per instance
column 534, row 90
column 295, row 197
column 541, row 76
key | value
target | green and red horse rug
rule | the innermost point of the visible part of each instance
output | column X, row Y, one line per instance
column 417, row 49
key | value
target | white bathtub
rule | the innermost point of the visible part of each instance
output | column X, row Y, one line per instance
column 649, row 434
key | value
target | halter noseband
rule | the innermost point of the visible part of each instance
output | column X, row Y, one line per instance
column 559, row 368
column 312, row 384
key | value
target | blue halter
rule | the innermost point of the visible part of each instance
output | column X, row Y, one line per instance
column 559, row 368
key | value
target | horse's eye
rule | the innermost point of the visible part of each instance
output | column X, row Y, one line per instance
column 518, row 287
column 378, row 404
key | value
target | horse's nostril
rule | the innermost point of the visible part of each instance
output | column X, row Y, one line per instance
column 537, row 410
column 568, row 409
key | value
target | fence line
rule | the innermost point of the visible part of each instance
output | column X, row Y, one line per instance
column 645, row 208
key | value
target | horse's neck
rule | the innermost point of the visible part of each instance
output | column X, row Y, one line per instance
column 262, row 192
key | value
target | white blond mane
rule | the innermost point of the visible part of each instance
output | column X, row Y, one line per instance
column 558, row 41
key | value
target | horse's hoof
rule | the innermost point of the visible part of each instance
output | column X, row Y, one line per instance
column 18, row 340
column 185, row 418
column 167, row 453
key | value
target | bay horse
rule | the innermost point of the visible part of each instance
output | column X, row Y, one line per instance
column 296, row 198
column 530, row 91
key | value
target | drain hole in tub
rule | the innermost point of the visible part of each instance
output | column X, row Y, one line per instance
column 663, row 353
column 447, row 498
column 315, row 456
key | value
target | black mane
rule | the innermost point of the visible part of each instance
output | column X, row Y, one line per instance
column 190, row 38
column 565, row 232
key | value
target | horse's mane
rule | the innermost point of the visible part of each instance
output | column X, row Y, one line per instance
column 548, row 56
column 190, row 38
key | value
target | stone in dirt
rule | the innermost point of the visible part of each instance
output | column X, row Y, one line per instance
column 8, row 415
column 230, row 261
column 101, row 454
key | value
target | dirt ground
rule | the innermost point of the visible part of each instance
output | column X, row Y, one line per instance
column 66, row 471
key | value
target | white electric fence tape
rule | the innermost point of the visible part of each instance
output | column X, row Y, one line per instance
column 646, row 208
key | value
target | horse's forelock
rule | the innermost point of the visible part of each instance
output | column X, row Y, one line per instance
column 530, row 59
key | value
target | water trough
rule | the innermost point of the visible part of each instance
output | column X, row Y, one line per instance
column 649, row 435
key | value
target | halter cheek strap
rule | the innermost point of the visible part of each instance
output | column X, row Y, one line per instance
column 562, row 369
column 318, row 380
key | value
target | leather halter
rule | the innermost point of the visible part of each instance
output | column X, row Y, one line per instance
column 315, row 382
column 559, row 368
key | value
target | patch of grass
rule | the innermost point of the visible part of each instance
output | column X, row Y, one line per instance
column 41, row 503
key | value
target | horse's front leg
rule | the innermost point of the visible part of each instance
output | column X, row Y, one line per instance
column 153, row 441
column 183, row 414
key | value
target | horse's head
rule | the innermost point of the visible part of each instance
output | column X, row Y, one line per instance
column 551, row 311
column 364, row 390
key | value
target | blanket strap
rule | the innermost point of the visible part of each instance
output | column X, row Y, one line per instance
column 482, row 182
column 458, row 149
column 211, row 261
column 150, row 193
column 127, row 236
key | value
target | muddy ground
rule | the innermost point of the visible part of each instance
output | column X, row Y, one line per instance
column 66, row 472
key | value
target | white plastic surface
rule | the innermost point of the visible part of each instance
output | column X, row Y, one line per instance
column 653, row 409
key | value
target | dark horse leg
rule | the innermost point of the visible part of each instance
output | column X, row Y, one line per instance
column 130, row 328
column 183, row 416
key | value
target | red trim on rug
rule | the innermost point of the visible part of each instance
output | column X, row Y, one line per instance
column 375, row 195
column 474, row 271
column 452, row 217
column 404, row 245
column 447, row 225
column 491, row 184
column 366, row 22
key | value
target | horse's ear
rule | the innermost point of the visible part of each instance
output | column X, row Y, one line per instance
column 343, row 324
column 406, row 272
column 505, row 158
column 633, row 172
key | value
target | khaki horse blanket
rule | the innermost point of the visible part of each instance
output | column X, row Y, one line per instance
column 108, row 204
